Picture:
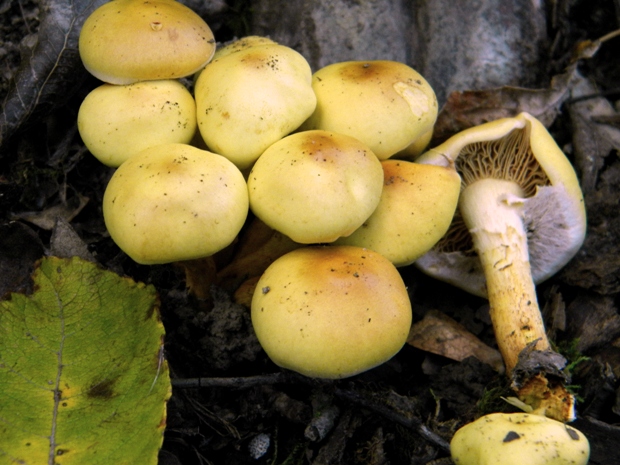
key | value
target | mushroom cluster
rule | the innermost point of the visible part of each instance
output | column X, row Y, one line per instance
column 317, row 168
column 304, row 155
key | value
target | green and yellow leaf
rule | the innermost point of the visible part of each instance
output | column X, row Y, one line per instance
column 82, row 374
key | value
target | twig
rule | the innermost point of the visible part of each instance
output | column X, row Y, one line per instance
column 242, row 382
column 609, row 36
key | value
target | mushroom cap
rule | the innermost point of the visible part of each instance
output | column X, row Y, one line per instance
column 385, row 104
column 252, row 94
column 125, row 41
column 416, row 208
column 554, row 209
column 116, row 122
column 242, row 44
column 331, row 311
column 315, row 186
column 174, row 202
column 519, row 438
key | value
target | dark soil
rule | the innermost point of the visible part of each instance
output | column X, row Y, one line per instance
column 245, row 410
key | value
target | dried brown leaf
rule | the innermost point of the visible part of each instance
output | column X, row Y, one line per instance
column 439, row 334
column 592, row 140
column 471, row 108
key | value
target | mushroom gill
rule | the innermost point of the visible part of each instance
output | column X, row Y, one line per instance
column 509, row 158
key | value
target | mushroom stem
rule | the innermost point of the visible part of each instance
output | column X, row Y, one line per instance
column 200, row 275
column 492, row 211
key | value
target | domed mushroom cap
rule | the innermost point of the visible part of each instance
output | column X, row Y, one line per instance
column 315, row 186
column 252, row 94
column 416, row 208
column 519, row 438
column 518, row 150
column 116, row 122
column 174, row 202
column 242, row 44
column 385, row 104
column 125, row 41
column 331, row 311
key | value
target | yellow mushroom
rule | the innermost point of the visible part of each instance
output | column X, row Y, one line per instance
column 116, row 122
column 174, row 202
column 519, row 439
column 385, row 104
column 521, row 218
column 252, row 94
column 315, row 186
column 416, row 208
column 331, row 311
column 126, row 41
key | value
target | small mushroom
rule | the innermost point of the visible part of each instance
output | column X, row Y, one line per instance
column 416, row 208
column 175, row 203
column 385, row 104
column 253, row 93
column 116, row 122
column 126, row 41
column 518, row 439
column 331, row 311
column 521, row 218
column 315, row 186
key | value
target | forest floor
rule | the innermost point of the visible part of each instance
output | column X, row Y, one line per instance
column 404, row 411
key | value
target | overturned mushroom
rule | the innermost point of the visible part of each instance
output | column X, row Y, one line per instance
column 522, row 218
